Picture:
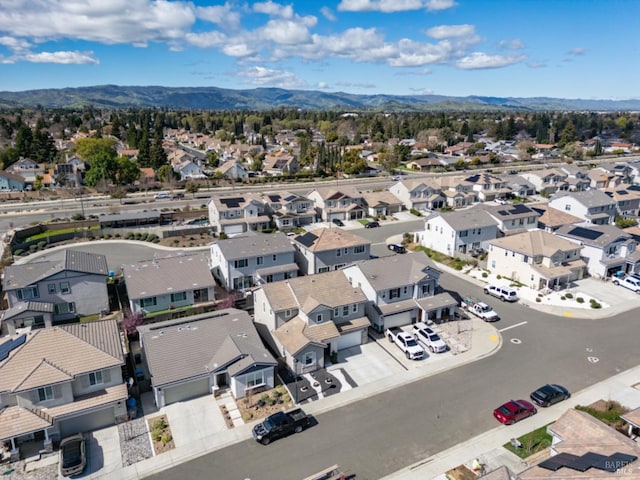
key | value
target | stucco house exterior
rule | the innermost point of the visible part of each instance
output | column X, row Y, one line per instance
column 203, row 354
column 62, row 380
column 40, row 294
column 537, row 259
column 547, row 181
column 420, row 194
column 341, row 204
column 382, row 203
column 325, row 249
column 308, row 318
column 10, row 182
column 513, row 218
column 460, row 232
column 169, row 282
column 243, row 262
column 289, row 210
column 592, row 206
column 234, row 214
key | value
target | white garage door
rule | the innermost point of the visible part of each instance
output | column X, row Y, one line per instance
column 86, row 423
column 350, row 340
column 186, row 391
column 398, row 319
column 233, row 229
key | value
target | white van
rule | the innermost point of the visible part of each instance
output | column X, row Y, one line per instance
column 161, row 196
column 506, row 294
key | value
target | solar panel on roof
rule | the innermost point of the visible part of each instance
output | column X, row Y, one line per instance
column 233, row 202
column 519, row 208
column 503, row 212
column 7, row 347
column 274, row 198
column 593, row 458
column 551, row 464
column 290, row 197
column 579, row 463
column 622, row 192
column 585, row 233
column 634, row 188
column 307, row 239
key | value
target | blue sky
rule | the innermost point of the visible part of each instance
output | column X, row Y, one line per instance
column 505, row 48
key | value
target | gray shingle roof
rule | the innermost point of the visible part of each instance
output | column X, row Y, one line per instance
column 588, row 198
column 598, row 235
column 28, row 306
column 255, row 246
column 23, row 275
column 167, row 275
column 195, row 346
column 466, row 219
column 397, row 270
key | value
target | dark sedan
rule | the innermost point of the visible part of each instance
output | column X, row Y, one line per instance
column 372, row 225
column 548, row 395
column 514, row 411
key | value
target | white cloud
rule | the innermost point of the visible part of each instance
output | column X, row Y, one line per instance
column 448, row 31
column 480, row 60
column 578, row 51
column 389, row 6
column 290, row 32
column 221, row 15
column 328, row 14
column 322, row 85
column 257, row 75
column 15, row 44
column 273, row 9
column 415, row 54
column 514, row 44
column 207, row 39
column 66, row 58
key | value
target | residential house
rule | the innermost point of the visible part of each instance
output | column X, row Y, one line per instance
column 425, row 164
column 325, row 249
column 547, row 181
column 585, row 447
column 402, row 290
column 232, row 170
column 455, row 233
column 537, row 259
column 280, row 163
column 171, row 282
column 519, row 186
column 577, row 177
column 188, row 169
column 488, row 187
column 27, row 169
column 309, row 318
column 40, row 294
column 289, row 210
column 239, row 213
column 627, row 198
column 341, row 204
column 11, row 182
column 551, row 219
column 458, row 191
column 59, row 381
column 606, row 249
column 419, row 194
column 513, row 218
column 243, row 262
column 592, row 206
column 381, row 203
column 197, row 355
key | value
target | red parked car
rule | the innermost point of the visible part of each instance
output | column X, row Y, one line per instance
column 514, row 411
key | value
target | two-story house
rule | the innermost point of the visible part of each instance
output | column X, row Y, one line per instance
column 325, row 249
column 627, row 198
column 547, row 181
column 243, row 262
column 455, row 233
column 537, row 259
column 488, row 187
column 27, row 169
column 280, row 163
column 232, row 170
column 513, row 218
column 592, row 206
column 606, row 249
column 458, row 191
column 340, row 204
column 402, row 289
column 40, row 294
column 168, row 283
column 381, row 203
column 308, row 318
column 577, row 177
column 289, row 210
column 11, row 182
column 193, row 356
column 419, row 194
column 61, row 380
column 234, row 214
column 551, row 219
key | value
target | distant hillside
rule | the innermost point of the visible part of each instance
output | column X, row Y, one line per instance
column 212, row 98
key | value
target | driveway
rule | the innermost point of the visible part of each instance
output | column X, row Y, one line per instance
column 194, row 420
column 103, row 452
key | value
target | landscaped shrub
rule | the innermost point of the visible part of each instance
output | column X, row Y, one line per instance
column 246, row 416
column 563, row 298
column 144, row 237
column 166, row 438
column 128, row 236
column 33, row 248
column 41, row 245
column 156, row 434
column 594, row 303
column 498, row 277
column 159, row 424
column 485, row 274
column 415, row 212
column 538, row 299
column 580, row 300
column 568, row 295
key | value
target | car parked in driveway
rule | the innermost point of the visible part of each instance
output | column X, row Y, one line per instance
column 431, row 339
column 549, row 394
column 394, row 247
column 338, row 222
column 513, row 411
column 371, row 225
column 628, row 281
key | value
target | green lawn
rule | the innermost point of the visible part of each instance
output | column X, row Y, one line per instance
column 531, row 442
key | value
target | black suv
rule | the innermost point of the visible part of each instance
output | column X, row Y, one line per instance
column 371, row 225
column 394, row 247
column 338, row 222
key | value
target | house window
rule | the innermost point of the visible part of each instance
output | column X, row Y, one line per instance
column 345, row 310
column 525, row 259
column 346, row 251
column 319, row 318
column 241, row 263
column 394, row 293
column 464, row 233
column 567, row 207
column 259, row 260
column 354, row 308
column 148, row 302
column 28, row 293
column 95, row 378
column 178, row 297
column 64, row 308
column 404, row 290
column 45, row 393
column 358, row 249
column 338, row 252
column 309, row 358
column 255, row 379
column 51, row 288
column 287, row 275
column 323, row 269
column 275, row 257
column 336, row 312
column 269, row 278
column 426, row 289
column 287, row 313
column 65, row 287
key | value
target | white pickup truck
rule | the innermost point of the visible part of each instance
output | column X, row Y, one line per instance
column 506, row 294
column 479, row 309
column 405, row 342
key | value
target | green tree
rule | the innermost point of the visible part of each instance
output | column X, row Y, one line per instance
column 8, row 156
column 37, row 183
column 191, row 187
column 144, row 151
column 597, row 148
column 568, row 135
column 388, row 161
column 166, row 174
column 157, row 155
column 127, row 171
column 89, row 148
column 102, row 167
column 24, row 141
column 213, row 160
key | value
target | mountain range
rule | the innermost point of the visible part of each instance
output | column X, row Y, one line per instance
column 213, row 98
